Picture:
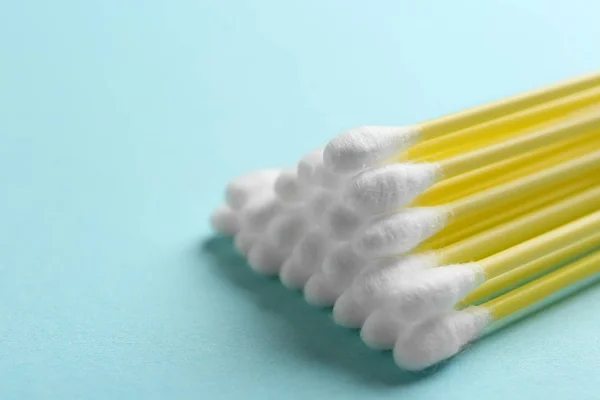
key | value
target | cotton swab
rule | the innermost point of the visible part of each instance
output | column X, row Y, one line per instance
column 265, row 258
column 290, row 229
column 290, row 226
column 496, row 196
column 375, row 284
column 302, row 191
column 384, row 327
column 299, row 183
column 290, row 189
column 342, row 222
column 344, row 262
column 286, row 230
column 258, row 212
column 309, row 168
column 486, row 243
column 381, row 190
column 243, row 242
column 292, row 264
column 358, row 301
column 403, row 231
column 365, row 147
column 244, row 187
column 261, row 206
column 320, row 291
column 528, row 271
column 439, row 289
column 348, row 312
column 442, row 337
column 224, row 220
column 305, row 260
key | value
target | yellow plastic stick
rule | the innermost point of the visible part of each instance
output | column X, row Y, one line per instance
column 526, row 227
column 529, row 271
column 550, row 178
column 507, row 170
column 519, row 188
column 496, row 129
column 541, row 288
column 539, row 246
column 578, row 124
column 489, row 218
column 476, row 115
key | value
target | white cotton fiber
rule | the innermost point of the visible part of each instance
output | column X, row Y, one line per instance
column 330, row 180
column 343, row 264
column 241, row 189
column 382, row 281
column 309, row 168
column 321, row 201
column 381, row 190
column 439, row 338
column 288, row 228
column 382, row 329
column 224, row 220
column 399, row 233
column 265, row 259
column 289, row 189
column 348, row 312
column 259, row 212
column 367, row 146
column 341, row 222
column 319, row 291
column 436, row 290
column 292, row 275
column 244, row 241
column 312, row 249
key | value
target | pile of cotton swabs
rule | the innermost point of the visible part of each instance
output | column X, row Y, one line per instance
column 424, row 235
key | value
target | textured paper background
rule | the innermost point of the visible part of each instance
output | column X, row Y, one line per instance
column 120, row 123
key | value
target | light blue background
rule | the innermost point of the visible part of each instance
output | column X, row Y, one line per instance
column 121, row 122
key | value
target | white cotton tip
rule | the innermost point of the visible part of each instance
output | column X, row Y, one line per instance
column 288, row 228
column 292, row 275
column 382, row 329
column 381, row 190
column 244, row 241
column 343, row 264
column 319, row 291
column 289, row 189
column 320, row 203
column 382, row 282
column 242, row 189
column 399, row 233
column 332, row 181
column 312, row 249
column 224, row 220
column 348, row 312
column 367, row 146
column 439, row 338
column 310, row 167
column 259, row 212
column 341, row 222
column 265, row 259
column 436, row 290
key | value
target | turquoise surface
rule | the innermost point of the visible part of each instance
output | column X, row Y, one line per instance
column 120, row 124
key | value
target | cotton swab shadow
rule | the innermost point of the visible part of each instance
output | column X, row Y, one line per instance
column 312, row 333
